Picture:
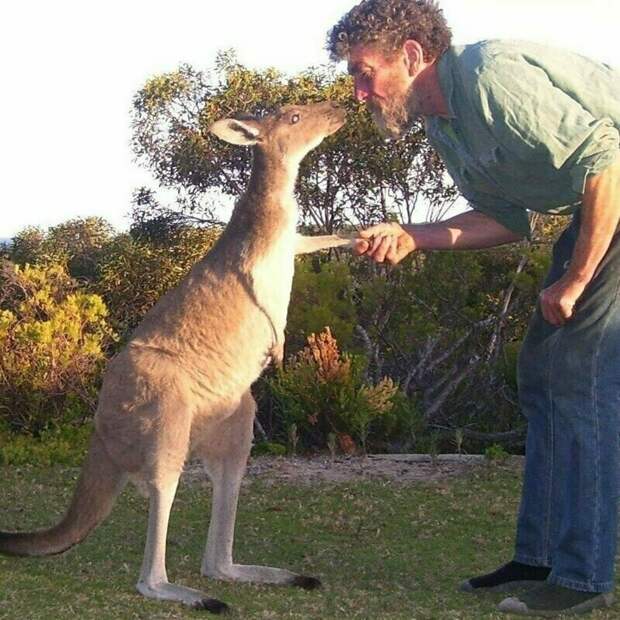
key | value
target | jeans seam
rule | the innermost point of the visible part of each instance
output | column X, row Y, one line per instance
column 595, row 404
column 551, row 451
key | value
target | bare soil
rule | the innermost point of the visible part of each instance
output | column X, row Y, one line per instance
column 401, row 468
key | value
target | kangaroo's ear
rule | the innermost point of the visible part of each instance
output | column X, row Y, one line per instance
column 244, row 132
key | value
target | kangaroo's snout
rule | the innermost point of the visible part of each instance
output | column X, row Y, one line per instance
column 339, row 115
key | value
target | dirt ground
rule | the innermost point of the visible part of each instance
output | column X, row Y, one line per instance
column 402, row 468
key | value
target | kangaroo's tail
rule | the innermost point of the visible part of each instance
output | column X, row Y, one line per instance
column 99, row 484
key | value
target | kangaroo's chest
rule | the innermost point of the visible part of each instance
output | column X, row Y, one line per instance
column 272, row 279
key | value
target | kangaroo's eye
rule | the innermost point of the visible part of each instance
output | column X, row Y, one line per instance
column 295, row 118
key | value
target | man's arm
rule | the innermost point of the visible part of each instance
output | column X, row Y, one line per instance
column 472, row 230
column 600, row 214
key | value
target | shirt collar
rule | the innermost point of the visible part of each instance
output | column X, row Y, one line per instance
column 446, row 80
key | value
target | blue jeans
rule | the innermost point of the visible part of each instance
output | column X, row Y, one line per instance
column 569, row 390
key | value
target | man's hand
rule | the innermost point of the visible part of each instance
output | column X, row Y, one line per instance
column 389, row 241
column 600, row 214
column 557, row 302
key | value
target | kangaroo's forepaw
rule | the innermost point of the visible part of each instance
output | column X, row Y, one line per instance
column 307, row 583
column 212, row 605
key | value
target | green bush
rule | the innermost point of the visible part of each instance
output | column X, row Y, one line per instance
column 496, row 452
column 268, row 448
column 52, row 343
column 65, row 445
column 77, row 243
column 135, row 273
column 322, row 294
column 322, row 391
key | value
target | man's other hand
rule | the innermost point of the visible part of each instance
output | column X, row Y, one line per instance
column 557, row 302
column 385, row 242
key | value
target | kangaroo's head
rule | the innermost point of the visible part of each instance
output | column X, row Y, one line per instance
column 288, row 134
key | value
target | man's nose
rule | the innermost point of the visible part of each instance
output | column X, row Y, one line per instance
column 360, row 90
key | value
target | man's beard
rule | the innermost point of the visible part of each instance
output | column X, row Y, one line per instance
column 396, row 113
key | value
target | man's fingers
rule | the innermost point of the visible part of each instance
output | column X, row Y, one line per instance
column 566, row 310
column 382, row 248
column 554, row 313
column 375, row 242
column 557, row 302
column 373, row 231
column 382, row 242
column 548, row 314
column 393, row 255
column 361, row 246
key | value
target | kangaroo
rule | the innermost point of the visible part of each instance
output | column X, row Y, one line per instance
column 181, row 386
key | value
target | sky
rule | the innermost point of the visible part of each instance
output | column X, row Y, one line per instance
column 70, row 69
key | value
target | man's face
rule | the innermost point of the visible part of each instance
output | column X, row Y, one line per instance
column 384, row 84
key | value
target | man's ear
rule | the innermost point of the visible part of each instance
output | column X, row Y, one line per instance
column 414, row 56
column 243, row 132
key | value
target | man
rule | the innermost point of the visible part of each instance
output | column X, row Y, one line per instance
column 522, row 127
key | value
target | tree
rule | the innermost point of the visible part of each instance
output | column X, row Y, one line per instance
column 27, row 246
column 352, row 178
column 78, row 243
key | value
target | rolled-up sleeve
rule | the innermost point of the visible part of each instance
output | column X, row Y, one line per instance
column 509, row 215
column 537, row 122
column 598, row 153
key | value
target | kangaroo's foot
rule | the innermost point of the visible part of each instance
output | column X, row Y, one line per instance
column 261, row 574
column 195, row 599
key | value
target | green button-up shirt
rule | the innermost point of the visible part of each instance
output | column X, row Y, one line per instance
column 527, row 124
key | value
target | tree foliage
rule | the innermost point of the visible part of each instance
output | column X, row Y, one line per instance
column 78, row 243
column 354, row 177
column 136, row 271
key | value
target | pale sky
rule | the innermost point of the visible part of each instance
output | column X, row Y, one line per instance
column 70, row 69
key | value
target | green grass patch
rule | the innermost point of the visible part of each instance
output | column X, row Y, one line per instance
column 382, row 550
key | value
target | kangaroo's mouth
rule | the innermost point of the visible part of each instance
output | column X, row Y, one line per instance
column 338, row 119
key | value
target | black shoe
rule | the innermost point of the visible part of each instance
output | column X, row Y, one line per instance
column 508, row 578
column 550, row 600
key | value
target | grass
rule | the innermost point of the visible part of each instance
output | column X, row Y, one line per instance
column 382, row 550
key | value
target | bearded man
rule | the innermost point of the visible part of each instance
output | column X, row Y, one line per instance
column 522, row 127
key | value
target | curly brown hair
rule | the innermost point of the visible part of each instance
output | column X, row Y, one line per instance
column 388, row 24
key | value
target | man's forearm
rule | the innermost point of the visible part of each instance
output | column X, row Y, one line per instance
column 600, row 214
column 468, row 231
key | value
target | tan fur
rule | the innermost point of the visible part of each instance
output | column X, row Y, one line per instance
column 181, row 387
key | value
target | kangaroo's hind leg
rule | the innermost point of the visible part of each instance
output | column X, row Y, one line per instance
column 153, row 582
column 225, row 461
column 164, row 444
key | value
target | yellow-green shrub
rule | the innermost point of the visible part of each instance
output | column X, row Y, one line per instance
column 52, row 342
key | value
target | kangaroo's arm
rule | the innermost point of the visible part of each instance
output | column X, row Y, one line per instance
column 305, row 245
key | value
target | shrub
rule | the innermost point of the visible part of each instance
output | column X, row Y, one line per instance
column 269, row 448
column 66, row 445
column 78, row 243
column 322, row 294
column 496, row 452
column 135, row 273
column 322, row 391
column 52, row 342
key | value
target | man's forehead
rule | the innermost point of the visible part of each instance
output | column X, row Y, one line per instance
column 364, row 56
